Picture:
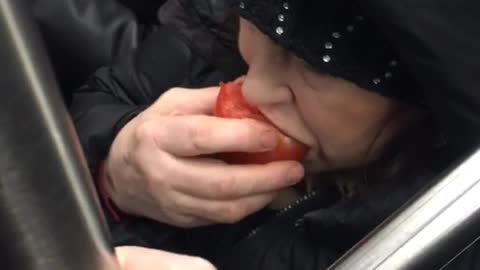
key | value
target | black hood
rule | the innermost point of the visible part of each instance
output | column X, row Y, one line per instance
column 334, row 37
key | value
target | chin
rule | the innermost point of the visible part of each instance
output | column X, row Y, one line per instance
column 314, row 164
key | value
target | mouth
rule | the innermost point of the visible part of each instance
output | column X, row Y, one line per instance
column 295, row 128
column 315, row 160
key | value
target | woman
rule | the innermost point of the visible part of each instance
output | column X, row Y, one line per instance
column 324, row 75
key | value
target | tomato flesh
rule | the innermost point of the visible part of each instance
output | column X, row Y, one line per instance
column 232, row 104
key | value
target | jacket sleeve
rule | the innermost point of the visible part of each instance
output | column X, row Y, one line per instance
column 439, row 41
column 185, row 51
column 115, row 94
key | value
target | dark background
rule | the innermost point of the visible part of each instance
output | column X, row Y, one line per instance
column 144, row 9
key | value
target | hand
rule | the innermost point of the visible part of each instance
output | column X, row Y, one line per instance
column 160, row 164
column 135, row 258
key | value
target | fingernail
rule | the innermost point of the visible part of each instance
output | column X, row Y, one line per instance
column 269, row 139
column 295, row 174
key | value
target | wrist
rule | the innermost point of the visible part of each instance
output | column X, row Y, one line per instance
column 105, row 189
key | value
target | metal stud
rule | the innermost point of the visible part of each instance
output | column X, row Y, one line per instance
column 328, row 45
column 376, row 80
column 242, row 5
column 388, row 75
column 359, row 18
column 279, row 30
column 350, row 28
column 336, row 35
column 286, row 6
column 327, row 58
column 393, row 63
column 281, row 18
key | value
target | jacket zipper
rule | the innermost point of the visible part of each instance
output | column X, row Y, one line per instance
column 284, row 211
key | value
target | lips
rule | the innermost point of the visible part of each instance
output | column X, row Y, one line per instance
column 293, row 126
column 290, row 123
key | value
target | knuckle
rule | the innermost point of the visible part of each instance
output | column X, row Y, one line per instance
column 170, row 99
column 144, row 130
column 173, row 93
column 176, row 90
column 185, row 207
column 180, row 212
column 151, row 177
column 232, row 213
column 247, row 132
column 200, row 136
column 186, row 222
column 253, row 131
column 155, row 173
column 223, row 186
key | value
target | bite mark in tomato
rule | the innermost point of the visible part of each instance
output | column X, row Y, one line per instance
column 232, row 104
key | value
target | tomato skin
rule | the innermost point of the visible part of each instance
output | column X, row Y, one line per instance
column 232, row 104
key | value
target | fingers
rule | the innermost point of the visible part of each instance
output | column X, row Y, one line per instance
column 195, row 135
column 136, row 258
column 191, row 192
column 208, row 179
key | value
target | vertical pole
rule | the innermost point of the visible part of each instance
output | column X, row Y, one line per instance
column 49, row 216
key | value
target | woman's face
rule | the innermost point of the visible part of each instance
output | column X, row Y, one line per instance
column 344, row 125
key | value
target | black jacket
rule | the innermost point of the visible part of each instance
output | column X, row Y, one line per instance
column 84, row 35
column 196, row 47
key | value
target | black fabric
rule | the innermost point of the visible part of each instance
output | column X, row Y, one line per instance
column 210, row 28
column 178, row 54
column 83, row 35
column 439, row 41
column 334, row 37
column 145, row 10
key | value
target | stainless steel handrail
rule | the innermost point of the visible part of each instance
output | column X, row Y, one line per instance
column 429, row 231
column 49, row 216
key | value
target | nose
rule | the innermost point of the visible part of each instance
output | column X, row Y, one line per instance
column 266, row 82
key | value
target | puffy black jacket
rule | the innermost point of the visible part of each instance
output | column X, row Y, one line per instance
column 196, row 47
column 84, row 35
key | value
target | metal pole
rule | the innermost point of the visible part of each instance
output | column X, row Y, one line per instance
column 429, row 231
column 49, row 217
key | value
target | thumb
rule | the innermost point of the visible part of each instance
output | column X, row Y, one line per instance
column 136, row 258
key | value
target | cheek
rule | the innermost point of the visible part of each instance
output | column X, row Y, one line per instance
column 334, row 117
column 332, row 106
column 344, row 118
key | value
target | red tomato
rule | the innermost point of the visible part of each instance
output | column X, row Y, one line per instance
column 231, row 104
